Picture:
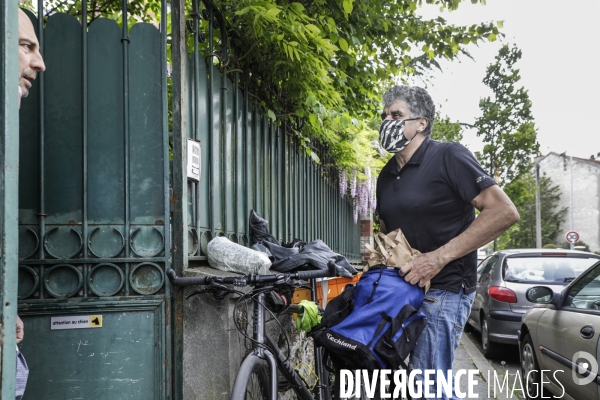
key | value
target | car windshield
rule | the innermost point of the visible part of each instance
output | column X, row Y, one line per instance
column 545, row 269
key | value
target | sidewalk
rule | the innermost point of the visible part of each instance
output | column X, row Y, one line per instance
column 468, row 357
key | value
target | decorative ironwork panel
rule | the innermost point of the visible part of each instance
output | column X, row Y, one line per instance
column 94, row 226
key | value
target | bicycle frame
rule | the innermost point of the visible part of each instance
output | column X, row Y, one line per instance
column 273, row 356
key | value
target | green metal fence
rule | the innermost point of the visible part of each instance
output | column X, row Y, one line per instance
column 249, row 162
column 9, row 142
column 94, row 225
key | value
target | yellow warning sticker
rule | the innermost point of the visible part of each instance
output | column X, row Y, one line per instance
column 76, row 322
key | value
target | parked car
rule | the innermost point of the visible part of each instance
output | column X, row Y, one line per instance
column 502, row 280
column 560, row 336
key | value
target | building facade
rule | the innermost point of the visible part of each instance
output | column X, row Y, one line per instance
column 583, row 176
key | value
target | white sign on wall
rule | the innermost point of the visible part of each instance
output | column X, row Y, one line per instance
column 193, row 160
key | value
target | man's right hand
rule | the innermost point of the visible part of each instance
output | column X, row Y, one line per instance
column 20, row 330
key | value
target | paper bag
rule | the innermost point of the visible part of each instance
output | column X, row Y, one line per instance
column 393, row 250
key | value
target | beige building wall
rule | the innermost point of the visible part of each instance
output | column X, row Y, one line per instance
column 586, row 195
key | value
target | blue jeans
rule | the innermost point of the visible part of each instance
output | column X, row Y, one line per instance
column 447, row 313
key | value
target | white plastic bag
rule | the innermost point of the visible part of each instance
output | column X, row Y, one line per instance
column 225, row 255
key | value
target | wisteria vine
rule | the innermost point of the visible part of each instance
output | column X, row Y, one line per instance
column 362, row 193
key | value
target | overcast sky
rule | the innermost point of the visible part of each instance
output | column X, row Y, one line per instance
column 560, row 41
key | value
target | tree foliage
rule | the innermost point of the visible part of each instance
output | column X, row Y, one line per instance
column 506, row 124
column 522, row 192
column 320, row 66
column 445, row 130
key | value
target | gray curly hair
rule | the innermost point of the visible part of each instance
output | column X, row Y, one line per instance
column 418, row 100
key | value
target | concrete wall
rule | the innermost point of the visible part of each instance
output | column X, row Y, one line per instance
column 213, row 349
column 586, row 195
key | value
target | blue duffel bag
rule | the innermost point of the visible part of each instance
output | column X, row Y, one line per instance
column 372, row 325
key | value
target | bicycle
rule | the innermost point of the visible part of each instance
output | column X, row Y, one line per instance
column 252, row 381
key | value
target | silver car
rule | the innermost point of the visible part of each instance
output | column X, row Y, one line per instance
column 502, row 280
column 558, row 340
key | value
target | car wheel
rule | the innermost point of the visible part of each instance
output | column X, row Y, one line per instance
column 530, row 370
column 490, row 349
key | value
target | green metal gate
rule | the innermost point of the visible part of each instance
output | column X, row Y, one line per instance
column 95, row 208
column 94, row 227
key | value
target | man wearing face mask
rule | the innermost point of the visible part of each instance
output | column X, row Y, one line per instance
column 430, row 190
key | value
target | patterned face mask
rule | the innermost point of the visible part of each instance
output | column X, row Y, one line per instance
column 391, row 134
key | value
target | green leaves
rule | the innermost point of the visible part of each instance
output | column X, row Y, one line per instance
column 347, row 4
column 343, row 44
column 506, row 125
column 522, row 192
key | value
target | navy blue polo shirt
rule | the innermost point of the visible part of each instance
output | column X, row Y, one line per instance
column 430, row 200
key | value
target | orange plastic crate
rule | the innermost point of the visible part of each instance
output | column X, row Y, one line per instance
column 334, row 288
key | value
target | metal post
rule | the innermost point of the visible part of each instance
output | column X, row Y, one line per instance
column 571, row 245
column 9, row 185
column 538, row 211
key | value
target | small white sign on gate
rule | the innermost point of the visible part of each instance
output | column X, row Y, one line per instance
column 193, row 160
column 76, row 322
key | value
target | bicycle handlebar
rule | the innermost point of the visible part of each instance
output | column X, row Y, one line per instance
column 252, row 279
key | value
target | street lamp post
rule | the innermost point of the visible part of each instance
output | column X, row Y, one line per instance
column 572, row 245
column 538, row 211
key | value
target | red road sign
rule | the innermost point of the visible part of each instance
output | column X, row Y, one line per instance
column 572, row 237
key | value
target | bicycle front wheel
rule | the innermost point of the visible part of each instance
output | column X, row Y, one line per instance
column 252, row 381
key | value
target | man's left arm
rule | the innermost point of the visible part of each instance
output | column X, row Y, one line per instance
column 497, row 214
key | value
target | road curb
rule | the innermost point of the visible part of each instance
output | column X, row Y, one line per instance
column 482, row 364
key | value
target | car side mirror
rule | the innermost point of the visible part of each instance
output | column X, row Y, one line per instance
column 545, row 295
column 539, row 294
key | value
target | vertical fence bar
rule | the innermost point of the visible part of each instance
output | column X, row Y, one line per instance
column 247, row 154
column 286, row 171
column 257, row 161
column 125, row 43
column 168, row 331
column 195, row 186
column 321, row 211
column 304, row 196
column 309, row 192
column 224, row 154
column 273, row 178
column 280, row 184
column 84, row 103
column 266, row 131
column 317, row 195
column 210, row 102
column 42, row 211
column 312, row 207
column 236, row 156
column 296, row 183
